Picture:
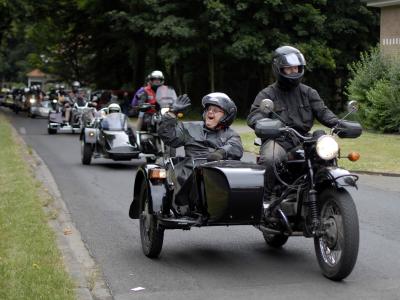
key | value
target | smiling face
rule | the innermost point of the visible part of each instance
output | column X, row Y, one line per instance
column 213, row 115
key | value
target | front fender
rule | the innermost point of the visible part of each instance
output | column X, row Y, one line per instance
column 156, row 192
column 339, row 177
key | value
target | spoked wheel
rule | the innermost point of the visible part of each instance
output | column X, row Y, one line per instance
column 86, row 153
column 275, row 240
column 152, row 236
column 337, row 248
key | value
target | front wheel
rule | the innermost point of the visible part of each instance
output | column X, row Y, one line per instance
column 151, row 235
column 337, row 248
column 86, row 153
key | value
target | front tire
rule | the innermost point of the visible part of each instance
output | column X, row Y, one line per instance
column 151, row 235
column 337, row 248
column 86, row 153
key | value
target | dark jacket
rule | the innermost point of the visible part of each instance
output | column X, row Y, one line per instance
column 298, row 107
column 199, row 141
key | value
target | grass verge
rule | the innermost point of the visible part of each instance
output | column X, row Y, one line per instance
column 31, row 266
column 379, row 152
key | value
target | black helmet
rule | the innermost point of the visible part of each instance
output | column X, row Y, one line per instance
column 287, row 56
column 225, row 103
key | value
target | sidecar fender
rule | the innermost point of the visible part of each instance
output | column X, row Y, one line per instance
column 340, row 177
column 156, row 192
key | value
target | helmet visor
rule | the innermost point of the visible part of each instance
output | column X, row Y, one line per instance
column 292, row 59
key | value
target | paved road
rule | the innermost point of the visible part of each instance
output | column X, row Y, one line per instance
column 219, row 263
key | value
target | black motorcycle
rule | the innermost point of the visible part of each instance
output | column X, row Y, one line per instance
column 151, row 145
column 313, row 201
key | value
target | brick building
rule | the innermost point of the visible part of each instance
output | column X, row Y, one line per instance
column 390, row 25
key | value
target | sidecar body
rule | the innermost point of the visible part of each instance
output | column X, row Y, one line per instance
column 228, row 193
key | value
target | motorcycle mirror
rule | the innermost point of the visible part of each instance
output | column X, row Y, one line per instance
column 352, row 106
column 267, row 105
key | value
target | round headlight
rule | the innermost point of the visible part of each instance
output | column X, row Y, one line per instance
column 32, row 100
column 327, row 147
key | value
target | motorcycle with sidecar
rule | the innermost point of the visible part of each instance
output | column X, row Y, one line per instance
column 56, row 121
column 313, row 200
column 109, row 136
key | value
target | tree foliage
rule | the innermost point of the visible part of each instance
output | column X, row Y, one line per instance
column 375, row 83
column 201, row 45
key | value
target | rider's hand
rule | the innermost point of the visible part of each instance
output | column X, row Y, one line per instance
column 216, row 155
column 181, row 104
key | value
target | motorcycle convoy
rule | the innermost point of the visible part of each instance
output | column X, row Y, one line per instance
column 312, row 201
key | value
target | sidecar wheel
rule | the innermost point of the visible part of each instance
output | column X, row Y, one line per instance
column 151, row 235
column 275, row 240
column 51, row 131
column 86, row 153
column 337, row 248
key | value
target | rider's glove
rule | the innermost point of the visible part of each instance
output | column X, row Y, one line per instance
column 181, row 104
column 216, row 155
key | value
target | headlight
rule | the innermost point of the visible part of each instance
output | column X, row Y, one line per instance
column 164, row 110
column 32, row 100
column 327, row 147
column 55, row 101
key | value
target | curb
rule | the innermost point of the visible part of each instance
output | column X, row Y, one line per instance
column 79, row 264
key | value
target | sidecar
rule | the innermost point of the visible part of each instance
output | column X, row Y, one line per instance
column 227, row 193
column 109, row 137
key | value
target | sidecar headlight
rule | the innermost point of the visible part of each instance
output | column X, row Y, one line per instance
column 327, row 147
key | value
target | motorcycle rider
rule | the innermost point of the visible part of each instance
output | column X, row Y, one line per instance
column 156, row 79
column 211, row 139
column 297, row 104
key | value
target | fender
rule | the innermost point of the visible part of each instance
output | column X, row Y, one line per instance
column 340, row 177
column 156, row 191
column 90, row 135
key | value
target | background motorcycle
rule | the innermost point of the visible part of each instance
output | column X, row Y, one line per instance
column 151, row 145
column 108, row 137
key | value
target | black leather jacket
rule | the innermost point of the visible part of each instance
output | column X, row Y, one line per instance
column 199, row 141
column 298, row 107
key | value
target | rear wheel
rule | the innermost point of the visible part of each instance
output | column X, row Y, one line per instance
column 86, row 153
column 337, row 248
column 151, row 234
column 275, row 240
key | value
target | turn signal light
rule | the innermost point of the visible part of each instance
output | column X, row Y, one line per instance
column 157, row 174
column 353, row 156
column 180, row 115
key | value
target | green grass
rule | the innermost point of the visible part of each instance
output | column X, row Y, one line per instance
column 31, row 266
column 379, row 152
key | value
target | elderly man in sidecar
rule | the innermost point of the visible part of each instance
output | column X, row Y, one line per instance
column 211, row 139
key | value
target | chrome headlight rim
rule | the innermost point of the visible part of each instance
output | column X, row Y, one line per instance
column 327, row 147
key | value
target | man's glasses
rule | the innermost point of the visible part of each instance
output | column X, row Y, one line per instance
column 214, row 110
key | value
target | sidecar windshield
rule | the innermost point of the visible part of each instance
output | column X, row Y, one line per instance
column 165, row 96
column 115, row 121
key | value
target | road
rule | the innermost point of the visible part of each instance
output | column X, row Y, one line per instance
column 216, row 262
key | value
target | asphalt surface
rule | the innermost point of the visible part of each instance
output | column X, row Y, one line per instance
column 216, row 262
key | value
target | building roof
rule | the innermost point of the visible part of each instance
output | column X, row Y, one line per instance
column 382, row 3
column 36, row 73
